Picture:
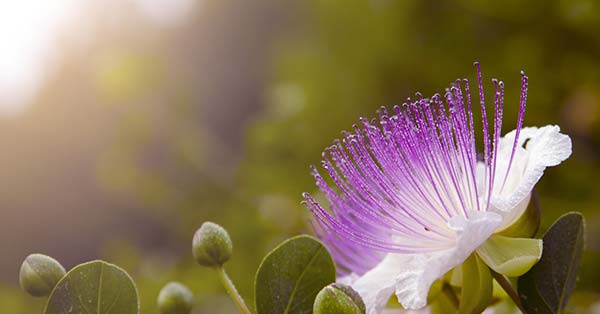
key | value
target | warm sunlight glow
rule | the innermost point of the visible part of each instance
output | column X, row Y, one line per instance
column 28, row 31
column 166, row 12
column 29, row 40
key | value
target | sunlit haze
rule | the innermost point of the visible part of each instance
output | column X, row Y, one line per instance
column 28, row 29
column 29, row 33
column 165, row 12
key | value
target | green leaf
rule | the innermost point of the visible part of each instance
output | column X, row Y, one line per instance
column 290, row 277
column 476, row 286
column 94, row 288
column 510, row 256
column 547, row 286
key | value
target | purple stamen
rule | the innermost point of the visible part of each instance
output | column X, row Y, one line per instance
column 399, row 179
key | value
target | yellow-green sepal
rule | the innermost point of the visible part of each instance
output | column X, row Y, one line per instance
column 456, row 277
column 441, row 305
column 498, row 291
column 526, row 226
column 512, row 257
column 435, row 290
column 476, row 286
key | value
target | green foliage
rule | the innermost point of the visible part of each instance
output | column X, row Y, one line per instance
column 290, row 277
column 94, row 287
column 549, row 284
column 338, row 299
column 182, row 140
column 510, row 256
column 477, row 286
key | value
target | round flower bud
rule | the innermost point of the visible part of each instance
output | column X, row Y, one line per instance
column 39, row 274
column 175, row 298
column 212, row 245
column 338, row 299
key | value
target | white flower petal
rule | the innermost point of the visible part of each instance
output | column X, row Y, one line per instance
column 377, row 285
column 348, row 279
column 502, row 187
column 511, row 216
column 411, row 275
column 544, row 147
column 425, row 310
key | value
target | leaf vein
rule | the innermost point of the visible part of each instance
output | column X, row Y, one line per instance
column 114, row 302
column 312, row 259
column 569, row 270
column 83, row 305
column 99, row 299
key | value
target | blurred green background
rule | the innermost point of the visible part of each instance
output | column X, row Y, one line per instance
column 135, row 121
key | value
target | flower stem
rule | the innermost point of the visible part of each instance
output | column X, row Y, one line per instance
column 230, row 287
column 450, row 294
column 510, row 290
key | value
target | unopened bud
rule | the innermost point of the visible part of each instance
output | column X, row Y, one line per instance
column 39, row 274
column 175, row 298
column 338, row 299
column 212, row 245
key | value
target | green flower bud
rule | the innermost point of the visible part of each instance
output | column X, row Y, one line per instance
column 175, row 298
column 39, row 274
column 212, row 245
column 338, row 299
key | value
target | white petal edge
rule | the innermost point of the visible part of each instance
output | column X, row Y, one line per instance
column 411, row 275
column 348, row 279
column 425, row 310
column 545, row 147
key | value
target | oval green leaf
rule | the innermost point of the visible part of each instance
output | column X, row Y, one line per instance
column 290, row 277
column 546, row 288
column 95, row 287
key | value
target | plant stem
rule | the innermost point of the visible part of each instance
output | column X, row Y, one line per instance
column 505, row 284
column 228, row 284
column 447, row 290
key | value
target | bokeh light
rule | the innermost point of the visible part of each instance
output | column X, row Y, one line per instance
column 29, row 31
column 124, row 124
